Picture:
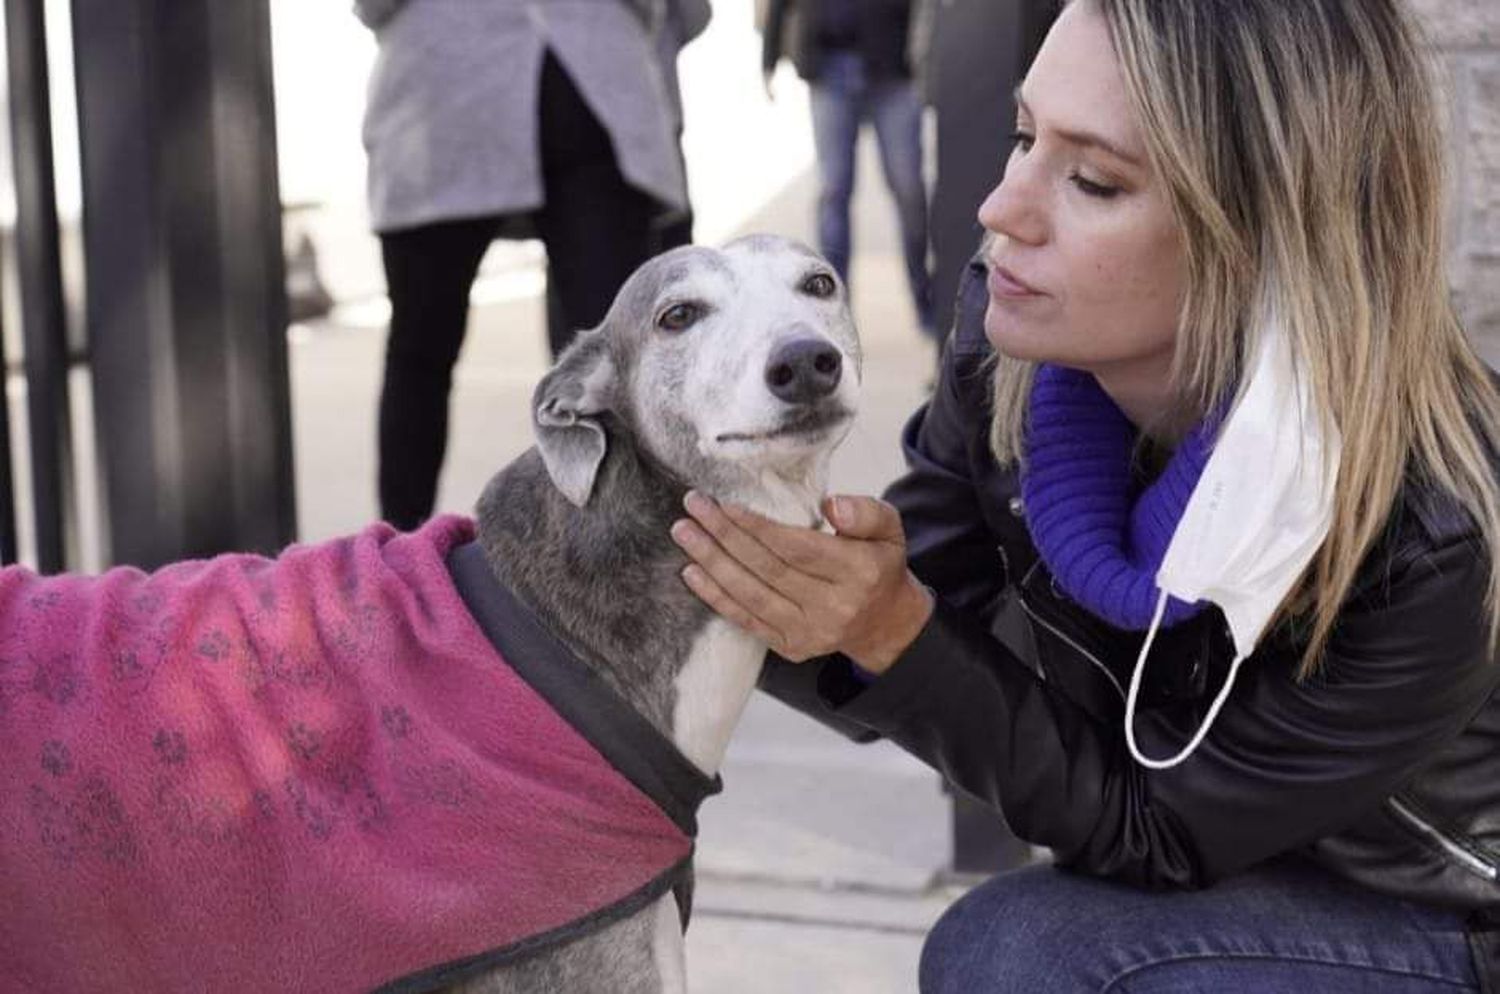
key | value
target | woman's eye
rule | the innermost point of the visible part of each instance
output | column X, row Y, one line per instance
column 1094, row 189
column 819, row 285
column 679, row 317
column 1022, row 141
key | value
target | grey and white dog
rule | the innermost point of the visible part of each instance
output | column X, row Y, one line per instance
column 733, row 372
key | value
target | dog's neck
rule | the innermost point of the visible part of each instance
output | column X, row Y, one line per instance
column 605, row 579
column 790, row 499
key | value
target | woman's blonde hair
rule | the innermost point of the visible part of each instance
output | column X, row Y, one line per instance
column 1300, row 146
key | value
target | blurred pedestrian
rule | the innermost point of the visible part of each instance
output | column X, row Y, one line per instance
column 508, row 118
column 682, row 21
column 855, row 56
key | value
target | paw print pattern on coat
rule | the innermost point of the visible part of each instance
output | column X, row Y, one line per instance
column 54, row 827
column 57, row 679
column 314, row 817
column 170, row 746
column 300, row 671
column 341, row 638
column 213, row 646
column 147, row 602
column 395, row 720
column 305, row 742
column 126, row 665
column 103, row 817
column 357, row 791
column 359, row 633
column 93, row 821
column 259, row 576
column 44, row 601
column 56, row 759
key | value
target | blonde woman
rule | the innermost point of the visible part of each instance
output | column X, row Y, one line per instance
column 1191, row 576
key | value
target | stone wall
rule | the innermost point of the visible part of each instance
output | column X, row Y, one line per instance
column 1467, row 34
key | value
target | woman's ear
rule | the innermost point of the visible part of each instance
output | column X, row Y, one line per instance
column 565, row 414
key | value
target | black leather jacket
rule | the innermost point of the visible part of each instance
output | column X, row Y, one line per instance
column 1384, row 768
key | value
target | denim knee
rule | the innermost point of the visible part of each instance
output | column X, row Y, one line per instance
column 947, row 948
column 1284, row 926
column 1009, row 935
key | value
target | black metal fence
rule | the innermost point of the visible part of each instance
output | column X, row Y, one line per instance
column 184, row 301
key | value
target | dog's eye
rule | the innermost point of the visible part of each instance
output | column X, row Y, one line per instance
column 679, row 317
column 820, row 285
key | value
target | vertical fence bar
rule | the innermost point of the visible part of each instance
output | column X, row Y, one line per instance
column 254, row 309
column 43, row 325
column 8, row 551
column 186, row 299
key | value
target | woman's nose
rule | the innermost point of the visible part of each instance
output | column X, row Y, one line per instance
column 1015, row 208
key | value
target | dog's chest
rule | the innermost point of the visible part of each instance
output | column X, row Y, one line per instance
column 713, row 687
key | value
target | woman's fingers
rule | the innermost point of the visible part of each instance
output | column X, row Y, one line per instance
column 865, row 517
column 805, row 550
column 701, row 583
column 804, row 592
column 737, row 580
column 741, row 539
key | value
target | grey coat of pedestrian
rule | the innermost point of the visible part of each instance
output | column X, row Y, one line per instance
column 442, row 147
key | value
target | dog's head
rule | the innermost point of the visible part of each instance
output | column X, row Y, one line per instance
column 736, row 368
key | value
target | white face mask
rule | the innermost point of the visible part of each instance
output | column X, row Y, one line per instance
column 1261, row 509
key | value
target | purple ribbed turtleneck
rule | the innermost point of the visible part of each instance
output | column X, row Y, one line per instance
column 1102, row 542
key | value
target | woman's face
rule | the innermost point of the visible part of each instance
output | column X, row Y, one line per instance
column 1086, row 263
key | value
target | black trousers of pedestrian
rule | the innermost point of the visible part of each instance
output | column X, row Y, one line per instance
column 597, row 229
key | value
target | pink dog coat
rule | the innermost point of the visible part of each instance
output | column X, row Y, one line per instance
column 314, row 773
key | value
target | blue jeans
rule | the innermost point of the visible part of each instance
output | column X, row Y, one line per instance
column 1286, row 928
column 843, row 98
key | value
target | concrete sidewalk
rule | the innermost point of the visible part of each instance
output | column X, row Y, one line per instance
column 822, row 864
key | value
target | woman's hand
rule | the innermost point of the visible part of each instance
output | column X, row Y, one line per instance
column 804, row 592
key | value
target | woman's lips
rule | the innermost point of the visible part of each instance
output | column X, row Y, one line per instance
column 1003, row 285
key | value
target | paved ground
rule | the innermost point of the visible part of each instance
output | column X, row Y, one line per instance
column 822, row 863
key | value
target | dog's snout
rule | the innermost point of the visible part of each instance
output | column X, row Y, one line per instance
column 804, row 370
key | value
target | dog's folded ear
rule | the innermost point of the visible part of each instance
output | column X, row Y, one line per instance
column 566, row 411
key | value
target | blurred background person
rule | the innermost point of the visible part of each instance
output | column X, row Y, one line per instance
column 681, row 22
column 855, row 56
column 552, row 119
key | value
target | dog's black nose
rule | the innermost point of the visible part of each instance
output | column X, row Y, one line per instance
column 804, row 370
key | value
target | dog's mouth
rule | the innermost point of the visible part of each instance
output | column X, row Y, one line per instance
column 807, row 423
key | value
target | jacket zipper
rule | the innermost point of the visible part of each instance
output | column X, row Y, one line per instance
column 1455, row 850
column 1076, row 647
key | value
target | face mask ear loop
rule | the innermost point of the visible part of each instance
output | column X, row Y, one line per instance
column 1135, row 688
